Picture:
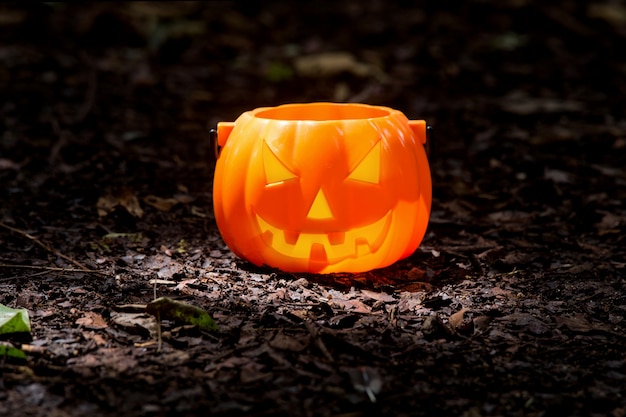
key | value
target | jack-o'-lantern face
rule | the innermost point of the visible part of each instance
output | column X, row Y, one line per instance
column 322, row 187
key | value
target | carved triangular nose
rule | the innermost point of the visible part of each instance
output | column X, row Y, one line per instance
column 320, row 208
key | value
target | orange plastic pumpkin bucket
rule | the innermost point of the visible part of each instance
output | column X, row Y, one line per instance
column 322, row 187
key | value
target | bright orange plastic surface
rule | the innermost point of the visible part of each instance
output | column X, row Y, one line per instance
column 322, row 187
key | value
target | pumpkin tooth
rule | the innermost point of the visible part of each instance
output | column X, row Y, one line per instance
column 267, row 237
column 318, row 254
column 291, row 237
column 361, row 247
column 337, row 238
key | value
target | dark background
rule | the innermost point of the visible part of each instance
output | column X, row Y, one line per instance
column 106, row 166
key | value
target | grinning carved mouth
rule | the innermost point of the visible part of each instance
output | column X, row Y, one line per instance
column 326, row 248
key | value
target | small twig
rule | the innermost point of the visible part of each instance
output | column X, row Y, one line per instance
column 36, row 274
column 82, row 267
column 159, row 336
column 48, row 268
column 44, row 270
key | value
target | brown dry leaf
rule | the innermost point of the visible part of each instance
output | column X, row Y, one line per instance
column 8, row 164
column 129, row 201
column 166, row 204
column 197, row 211
column 125, row 198
column 434, row 328
column 253, row 371
column 580, row 324
column 481, row 323
column 613, row 13
column 10, row 17
column 417, row 274
column 162, row 204
column 118, row 359
column 350, row 305
column 558, row 176
column 378, row 296
column 98, row 339
column 409, row 301
column 515, row 259
column 92, row 320
column 457, row 208
column 106, row 204
column 330, row 63
column 510, row 216
column 528, row 322
column 610, row 222
column 169, row 270
column 456, row 320
column 285, row 342
column 135, row 321
column 519, row 103
column 149, row 10
column 502, row 292
column 417, row 287
column 578, row 269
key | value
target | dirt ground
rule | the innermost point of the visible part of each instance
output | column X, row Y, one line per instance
column 514, row 304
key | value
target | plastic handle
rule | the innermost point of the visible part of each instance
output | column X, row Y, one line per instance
column 223, row 132
column 419, row 130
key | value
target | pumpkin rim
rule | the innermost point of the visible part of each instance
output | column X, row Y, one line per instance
column 318, row 112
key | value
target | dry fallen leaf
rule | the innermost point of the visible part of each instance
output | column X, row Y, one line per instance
column 527, row 322
column 417, row 274
column 118, row 359
column 520, row 104
column 136, row 321
column 579, row 324
column 379, row 296
column 166, row 204
column 92, row 320
column 350, row 305
column 456, row 320
column 481, row 323
column 330, row 63
column 124, row 198
column 434, row 328
column 285, row 342
column 558, row 176
column 98, row 339
column 8, row 164
column 162, row 204
column 613, row 13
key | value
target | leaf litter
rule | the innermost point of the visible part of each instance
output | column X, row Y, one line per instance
column 514, row 304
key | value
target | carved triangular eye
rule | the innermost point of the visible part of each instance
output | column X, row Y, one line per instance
column 368, row 170
column 275, row 171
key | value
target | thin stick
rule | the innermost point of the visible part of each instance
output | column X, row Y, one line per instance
column 35, row 274
column 49, row 268
column 46, row 247
column 43, row 269
column 159, row 336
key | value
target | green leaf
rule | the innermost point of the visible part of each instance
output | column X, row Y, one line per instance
column 166, row 308
column 13, row 320
column 8, row 350
column 277, row 72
